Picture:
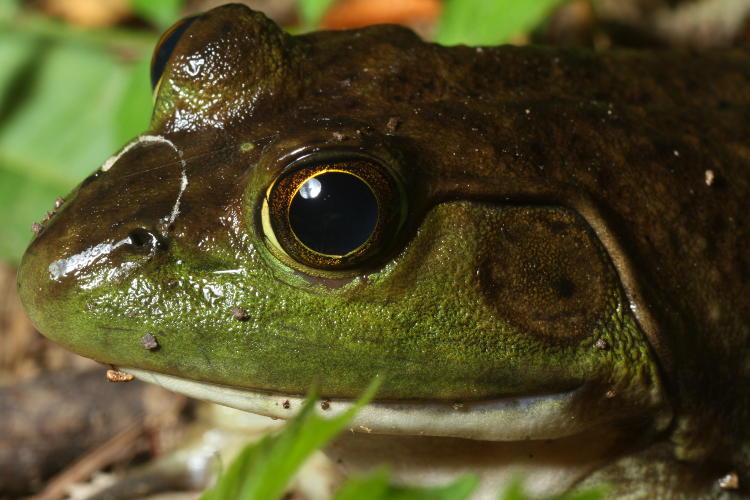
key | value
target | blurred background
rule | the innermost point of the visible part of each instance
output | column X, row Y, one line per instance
column 74, row 88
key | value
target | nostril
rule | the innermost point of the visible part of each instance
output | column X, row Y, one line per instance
column 144, row 239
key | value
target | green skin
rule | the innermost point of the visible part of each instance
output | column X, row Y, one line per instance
column 556, row 232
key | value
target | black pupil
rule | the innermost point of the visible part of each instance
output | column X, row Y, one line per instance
column 333, row 213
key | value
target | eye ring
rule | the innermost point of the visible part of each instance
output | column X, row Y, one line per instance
column 332, row 215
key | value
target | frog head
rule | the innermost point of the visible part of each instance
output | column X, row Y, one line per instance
column 329, row 208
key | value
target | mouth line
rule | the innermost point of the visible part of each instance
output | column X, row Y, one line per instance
column 512, row 418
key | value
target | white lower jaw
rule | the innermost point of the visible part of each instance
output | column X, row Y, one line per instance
column 507, row 419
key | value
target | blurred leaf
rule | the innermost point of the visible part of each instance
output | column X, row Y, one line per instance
column 263, row 470
column 378, row 487
column 515, row 491
column 62, row 96
column 162, row 13
column 312, row 11
column 8, row 8
column 134, row 109
column 489, row 22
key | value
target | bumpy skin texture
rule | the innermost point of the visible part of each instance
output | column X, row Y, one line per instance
column 558, row 231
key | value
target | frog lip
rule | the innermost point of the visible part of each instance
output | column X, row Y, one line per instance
column 519, row 418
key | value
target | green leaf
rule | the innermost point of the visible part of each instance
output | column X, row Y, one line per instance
column 162, row 13
column 489, row 22
column 62, row 96
column 263, row 470
column 514, row 491
column 312, row 11
column 377, row 487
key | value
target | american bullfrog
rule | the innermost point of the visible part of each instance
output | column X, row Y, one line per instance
column 541, row 251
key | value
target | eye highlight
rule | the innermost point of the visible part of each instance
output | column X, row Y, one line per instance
column 332, row 215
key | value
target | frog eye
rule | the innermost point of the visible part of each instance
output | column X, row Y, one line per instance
column 165, row 46
column 332, row 215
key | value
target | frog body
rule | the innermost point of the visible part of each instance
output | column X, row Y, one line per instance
column 542, row 244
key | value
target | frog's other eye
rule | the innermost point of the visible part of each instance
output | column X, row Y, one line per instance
column 166, row 46
column 332, row 215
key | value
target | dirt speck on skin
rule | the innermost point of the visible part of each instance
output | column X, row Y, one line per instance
column 602, row 345
column 118, row 376
column 610, row 394
column 36, row 228
column 710, row 176
column 240, row 314
column 457, row 406
column 325, row 404
column 149, row 342
column 286, row 405
column 338, row 136
column 730, row 481
column 59, row 202
column 48, row 216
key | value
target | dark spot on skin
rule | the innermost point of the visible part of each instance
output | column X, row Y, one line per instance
column 37, row 228
column 564, row 287
column 557, row 227
column 392, row 125
column 325, row 404
column 602, row 345
column 149, row 342
column 730, row 481
column 286, row 405
column 240, row 314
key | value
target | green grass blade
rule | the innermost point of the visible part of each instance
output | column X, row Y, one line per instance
column 263, row 470
column 515, row 491
column 377, row 487
column 489, row 22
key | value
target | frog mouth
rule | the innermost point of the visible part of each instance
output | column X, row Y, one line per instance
column 548, row 416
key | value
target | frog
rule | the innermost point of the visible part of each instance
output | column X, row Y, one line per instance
column 540, row 252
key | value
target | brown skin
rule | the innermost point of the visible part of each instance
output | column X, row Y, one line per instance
column 605, row 153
